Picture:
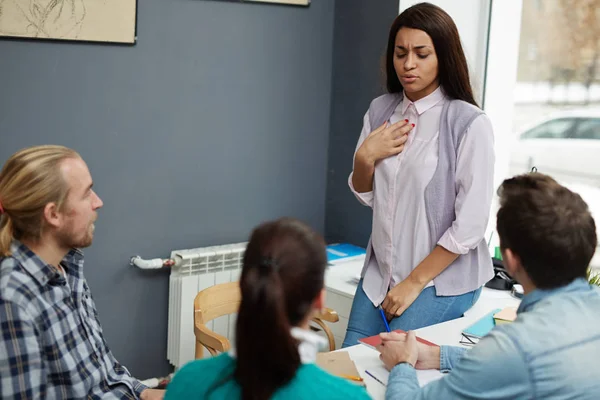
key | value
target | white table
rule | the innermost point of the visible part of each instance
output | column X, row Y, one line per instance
column 340, row 284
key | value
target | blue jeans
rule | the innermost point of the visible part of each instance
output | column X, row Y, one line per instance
column 427, row 309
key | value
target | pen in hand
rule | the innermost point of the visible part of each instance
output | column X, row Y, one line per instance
column 387, row 326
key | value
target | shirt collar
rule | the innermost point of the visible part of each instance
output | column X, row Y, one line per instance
column 578, row 285
column 39, row 270
column 426, row 102
column 309, row 345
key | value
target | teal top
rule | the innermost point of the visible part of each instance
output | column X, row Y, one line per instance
column 310, row 383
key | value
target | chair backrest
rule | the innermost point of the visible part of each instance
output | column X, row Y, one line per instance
column 211, row 303
column 224, row 299
column 216, row 301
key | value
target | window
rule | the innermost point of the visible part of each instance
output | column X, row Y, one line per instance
column 557, row 81
column 588, row 129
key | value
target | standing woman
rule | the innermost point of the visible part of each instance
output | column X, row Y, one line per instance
column 425, row 164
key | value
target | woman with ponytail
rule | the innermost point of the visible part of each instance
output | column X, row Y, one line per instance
column 281, row 287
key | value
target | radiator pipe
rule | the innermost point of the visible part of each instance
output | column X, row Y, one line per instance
column 155, row 263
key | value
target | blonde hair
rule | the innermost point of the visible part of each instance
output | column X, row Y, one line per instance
column 30, row 179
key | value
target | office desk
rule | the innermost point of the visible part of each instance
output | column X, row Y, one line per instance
column 340, row 285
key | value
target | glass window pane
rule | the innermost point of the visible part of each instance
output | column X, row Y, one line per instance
column 557, row 97
column 588, row 129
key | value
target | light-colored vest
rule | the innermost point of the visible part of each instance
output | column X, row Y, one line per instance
column 469, row 271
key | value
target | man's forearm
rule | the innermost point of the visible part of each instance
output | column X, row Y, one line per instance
column 402, row 383
column 449, row 357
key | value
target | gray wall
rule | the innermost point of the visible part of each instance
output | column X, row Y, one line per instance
column 360, row 38
column 216, row 120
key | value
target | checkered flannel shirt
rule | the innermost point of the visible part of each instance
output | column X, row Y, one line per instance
column 52, row 345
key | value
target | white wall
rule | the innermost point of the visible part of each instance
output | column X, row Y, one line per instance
column 501, row 79
column 505, row 31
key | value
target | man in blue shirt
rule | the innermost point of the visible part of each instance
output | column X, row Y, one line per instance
column 552, row 350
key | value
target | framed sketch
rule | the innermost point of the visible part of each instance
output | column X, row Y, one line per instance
column 292, row 2
column 112, row 21
column 288, row 2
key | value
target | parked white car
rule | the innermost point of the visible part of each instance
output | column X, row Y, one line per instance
column 565, row 145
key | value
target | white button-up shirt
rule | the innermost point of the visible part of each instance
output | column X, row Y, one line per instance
column 400, row 234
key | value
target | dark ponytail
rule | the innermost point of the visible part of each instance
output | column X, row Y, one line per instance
column 283, row 273
column 267, row 353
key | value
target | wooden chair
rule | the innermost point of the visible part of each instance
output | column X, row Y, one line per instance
column 224, row 299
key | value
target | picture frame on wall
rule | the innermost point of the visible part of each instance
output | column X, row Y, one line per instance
column 104, row 21
column 289, row 2
column 304, row 3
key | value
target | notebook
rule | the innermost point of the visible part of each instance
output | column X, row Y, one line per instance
column 506, row 315
column 374, row 341
column 381, row 374
column 340, row 364
column 343, row 251
column 481, row 327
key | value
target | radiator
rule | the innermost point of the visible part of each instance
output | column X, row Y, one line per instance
column 195, row 270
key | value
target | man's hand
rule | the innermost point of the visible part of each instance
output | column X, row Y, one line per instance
column 428, row 356
column 152, row 394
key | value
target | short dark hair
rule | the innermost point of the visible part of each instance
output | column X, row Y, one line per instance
column 453, row 70
column 548, row 226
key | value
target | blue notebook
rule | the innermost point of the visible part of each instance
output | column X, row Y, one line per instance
column 482, row 326
column 340, row 251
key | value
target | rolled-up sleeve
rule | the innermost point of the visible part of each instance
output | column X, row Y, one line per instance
column 474, row 187
column 449, row 357
column 365, row 198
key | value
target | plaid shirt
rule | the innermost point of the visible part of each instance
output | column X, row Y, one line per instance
column 52, row 345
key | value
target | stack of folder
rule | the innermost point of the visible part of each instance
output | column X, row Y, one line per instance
column 343, row 252
column 508, row 314
column 484, row 325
